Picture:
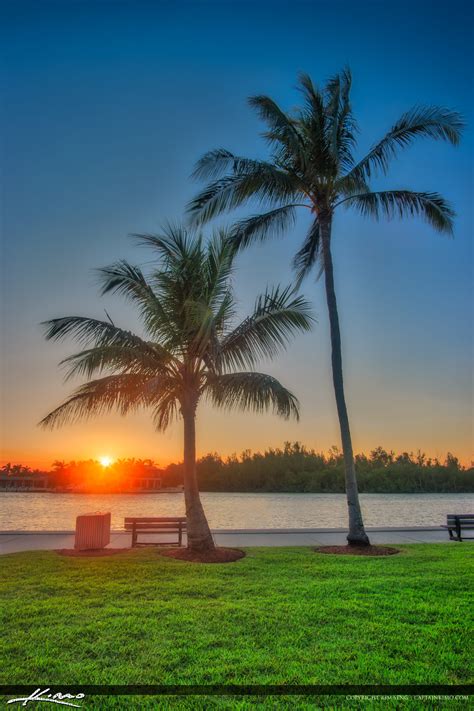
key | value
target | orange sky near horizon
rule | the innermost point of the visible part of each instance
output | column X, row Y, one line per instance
column 376, row 419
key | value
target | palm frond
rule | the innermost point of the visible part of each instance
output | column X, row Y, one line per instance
column 265, row 182
column 149, row 360
column 431, row 207
column 314, row 98
column 282, row 128
column 215, row 164
column 166, row 411
column 218, row 268
column 337, row 90
column 305, row 259
column 315, row 127
column 256, row 392
column 128, row 280
column 278, row 315
column 345, row 130
column 420, row 122
column 172, row 244
column 87, row 330
column 124, row 392
column 333, row 107
column 350, row 184
column 260, row 227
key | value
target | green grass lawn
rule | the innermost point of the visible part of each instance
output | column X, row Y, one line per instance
column 278, row 616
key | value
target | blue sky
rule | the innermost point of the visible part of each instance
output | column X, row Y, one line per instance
column 107, row 105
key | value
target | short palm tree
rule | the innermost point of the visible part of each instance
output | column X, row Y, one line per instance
column 190, row 350
column 313, row 166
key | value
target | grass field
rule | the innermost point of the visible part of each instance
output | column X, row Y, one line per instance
column 278, row 616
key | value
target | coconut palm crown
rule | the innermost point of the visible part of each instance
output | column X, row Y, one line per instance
column 192, row 347
column 313, row 165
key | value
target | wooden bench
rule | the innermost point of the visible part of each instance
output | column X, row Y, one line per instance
column 173, row 524
column 457, row 523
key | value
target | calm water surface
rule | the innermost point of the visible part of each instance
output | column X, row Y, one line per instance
column 58, row 511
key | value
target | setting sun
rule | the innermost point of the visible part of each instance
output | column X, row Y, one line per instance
column 106, row 461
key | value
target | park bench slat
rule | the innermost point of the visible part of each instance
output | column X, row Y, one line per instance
column 157, row 519
column 463, row 519
column 151, row 527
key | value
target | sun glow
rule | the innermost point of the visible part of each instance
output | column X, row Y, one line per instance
column 106, row 461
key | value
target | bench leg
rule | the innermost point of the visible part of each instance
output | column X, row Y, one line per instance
column 134, row 536
column 180, row 535
column 458, row 530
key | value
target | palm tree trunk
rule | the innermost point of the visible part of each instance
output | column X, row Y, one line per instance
column 198, row 532
column 357, row 534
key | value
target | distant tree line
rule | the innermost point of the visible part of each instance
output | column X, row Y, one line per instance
column 293, row 468
column 89, row 475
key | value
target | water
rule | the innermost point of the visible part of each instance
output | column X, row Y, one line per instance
column 35, row 512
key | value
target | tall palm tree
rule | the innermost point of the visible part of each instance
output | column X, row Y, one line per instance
column 313, row 166
column 190, row 349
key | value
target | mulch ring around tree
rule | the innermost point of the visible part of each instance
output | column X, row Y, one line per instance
column 357, row 550
column 96, row 553
column 218, row 555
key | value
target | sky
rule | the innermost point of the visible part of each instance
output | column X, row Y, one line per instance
column 107, row 106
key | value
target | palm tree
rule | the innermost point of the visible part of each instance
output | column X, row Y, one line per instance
column 190, row 349
column 313, row 166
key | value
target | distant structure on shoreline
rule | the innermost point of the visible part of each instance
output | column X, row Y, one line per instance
column 18, row 479
column 38, row 483
column 25, row 482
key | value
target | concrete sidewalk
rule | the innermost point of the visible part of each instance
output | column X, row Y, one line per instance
column 15, row 541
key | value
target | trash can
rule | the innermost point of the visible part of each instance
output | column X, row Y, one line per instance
column 92, row 531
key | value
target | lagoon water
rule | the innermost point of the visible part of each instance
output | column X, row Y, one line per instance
column 57, row 512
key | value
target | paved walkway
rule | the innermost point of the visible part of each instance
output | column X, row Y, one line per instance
column 15, row 541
